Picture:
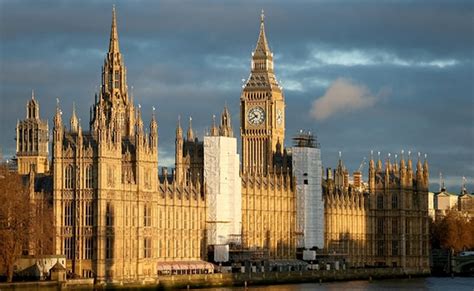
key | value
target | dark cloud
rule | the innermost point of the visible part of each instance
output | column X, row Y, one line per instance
column 188, row 58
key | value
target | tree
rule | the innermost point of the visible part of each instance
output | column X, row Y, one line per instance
column 23, row 221
column 453, row 231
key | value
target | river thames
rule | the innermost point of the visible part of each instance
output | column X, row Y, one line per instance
column 429, row 283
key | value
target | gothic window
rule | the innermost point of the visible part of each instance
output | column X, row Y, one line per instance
column 110, row 176
column 89, row 217
column 68, row 213
column 147, row 247
column 109, row 215
column 380, row 201
column 380, row 225
column 89, row 176
column 68, row 248
column 88, row 248
column 69, row 177
column 407, row 226
column 394, row 201
column 147, row 179
column 394, row 247
column 394, row 226
column 380, row 247
column 146, row 216
column 109, row 248
column 408, row 247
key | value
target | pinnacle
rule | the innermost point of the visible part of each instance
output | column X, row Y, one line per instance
column 262, row 44
column 114, row 41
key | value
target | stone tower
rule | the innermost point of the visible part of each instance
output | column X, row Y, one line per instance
column 32, row 140
column 262, row 108
column 113, row 97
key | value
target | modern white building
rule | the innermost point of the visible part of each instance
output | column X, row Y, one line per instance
column 307, row 168
column 223, row 185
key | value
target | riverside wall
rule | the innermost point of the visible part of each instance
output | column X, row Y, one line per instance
column 232, row 279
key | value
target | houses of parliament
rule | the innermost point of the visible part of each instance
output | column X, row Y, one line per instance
column 118, row 219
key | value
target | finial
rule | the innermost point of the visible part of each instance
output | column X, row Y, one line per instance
column 262, row 16
column 371, row 154
column 409, row 154
column 419, row 154
column 139, row 106
column 32, row 94
column 153, row 113
column 389, row 154
column 340, row 154
column 378, row 153
column 426, row 155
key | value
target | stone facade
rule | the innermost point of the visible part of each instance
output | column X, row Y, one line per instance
column 115, row 218
column 382, row 223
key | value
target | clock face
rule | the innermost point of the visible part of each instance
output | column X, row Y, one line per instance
column 256, row 115
column 279, row 117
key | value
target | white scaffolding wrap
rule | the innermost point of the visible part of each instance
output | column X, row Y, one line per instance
column 307, row 169
column 224, row 197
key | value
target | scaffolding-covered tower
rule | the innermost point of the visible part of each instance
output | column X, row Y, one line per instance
column 223, row 184
column 307, row 168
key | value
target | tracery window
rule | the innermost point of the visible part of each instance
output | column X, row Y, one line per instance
column 379, row 201
column 88, row 248
column 110, row 176
column 394, row 201
column 394, row 226
column 147, row 247
column 68, row 248
column 69, row 177
column 68, row 218
column 146, row 215
column 89, row 176
column 89, row 217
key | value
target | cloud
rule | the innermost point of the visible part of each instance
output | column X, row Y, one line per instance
column 342, row 96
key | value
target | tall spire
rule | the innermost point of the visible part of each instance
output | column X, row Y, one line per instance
column 226, row 124
column 262, row 47
column 114, row 42
column 190, row 134
column 74, row 121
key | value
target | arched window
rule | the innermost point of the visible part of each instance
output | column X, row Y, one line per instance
column 69, row 177
column 89, row 176
column 68, row 217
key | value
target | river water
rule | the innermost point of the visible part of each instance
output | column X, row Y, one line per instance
column 430, row 283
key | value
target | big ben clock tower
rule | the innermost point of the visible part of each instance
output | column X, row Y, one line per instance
column 262, row 110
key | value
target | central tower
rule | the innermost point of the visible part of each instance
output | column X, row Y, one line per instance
column 262, row 111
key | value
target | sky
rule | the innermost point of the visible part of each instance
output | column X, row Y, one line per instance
column 360, row 75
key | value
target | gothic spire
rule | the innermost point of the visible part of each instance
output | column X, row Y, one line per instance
column 74, row 121
column 226, row 124
column 190, row 134
column 179, row 130
column 114, row 41
column 214, row 130
column 262, row 48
